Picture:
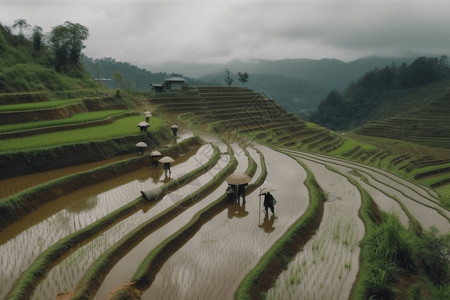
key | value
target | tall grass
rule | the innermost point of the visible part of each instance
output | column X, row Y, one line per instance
column 390, row 247
column 35, row 77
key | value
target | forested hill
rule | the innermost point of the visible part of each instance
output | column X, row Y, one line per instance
column 126, row 76
column 42, row 61
column 372, row 97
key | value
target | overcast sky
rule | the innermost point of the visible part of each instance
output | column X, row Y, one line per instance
column 151, row 32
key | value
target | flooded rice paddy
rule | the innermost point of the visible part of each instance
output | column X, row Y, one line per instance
column 215, row 259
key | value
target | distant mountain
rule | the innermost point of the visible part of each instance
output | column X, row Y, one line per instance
column 297, row 84
column 326, row 73
column 293, row 94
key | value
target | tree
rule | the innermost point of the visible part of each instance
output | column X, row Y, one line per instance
column 22, row 24
column 118, row 78
column 243, row 77
column 37, row 40
column 67, row 41
column 228, row 79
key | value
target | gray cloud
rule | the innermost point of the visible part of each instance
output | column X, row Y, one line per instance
column 216, row 31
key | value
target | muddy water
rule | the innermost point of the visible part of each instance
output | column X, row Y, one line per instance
column 328, row 264
column 125, row 268
column 11, row 186
column 70, row 213
column 385, row 203
column 417, row 201
column 14, row 185
column 395, row 181
column 86, row 255
column 215, row 260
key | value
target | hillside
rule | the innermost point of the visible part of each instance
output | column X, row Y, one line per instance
column 420, row 117
column 382, row 93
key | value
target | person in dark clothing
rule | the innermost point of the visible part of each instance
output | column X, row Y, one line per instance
column 241, row 192
column 174, row 131
column 231, row 193
column 155, row 163
column 167, row 168
column 269, row 202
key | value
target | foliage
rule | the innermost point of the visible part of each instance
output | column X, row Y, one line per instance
column 243, row 77
column 356, row 104
column 386, row 248
column 228, row 79
column 67, row 43
column 415, row 293
column 28, row 65
column 104, row 69
column 22, row 24
column 433, row 252
column 35, row 77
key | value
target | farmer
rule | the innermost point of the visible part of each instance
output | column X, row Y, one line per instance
column 167, row 168
column 241, row 192
column 174, row 129
column 269, row 202
column 231, row 193
column 155, row 162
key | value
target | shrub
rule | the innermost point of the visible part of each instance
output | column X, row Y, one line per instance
column 387, row 247
column 415, row 293
column 433, row 253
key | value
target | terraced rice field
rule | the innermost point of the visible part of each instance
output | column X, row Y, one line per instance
column 104, row 240
column 216, row 257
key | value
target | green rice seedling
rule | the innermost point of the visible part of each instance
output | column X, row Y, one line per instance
column 120, row 128
column 37, row 105
column 78, row 118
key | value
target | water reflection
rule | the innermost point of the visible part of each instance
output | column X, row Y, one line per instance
column 166, row 178
column 267, row 224
column 85, row 204
column 236, row 210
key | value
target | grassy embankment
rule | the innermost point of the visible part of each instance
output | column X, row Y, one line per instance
column 75, row 119
column 121, row 128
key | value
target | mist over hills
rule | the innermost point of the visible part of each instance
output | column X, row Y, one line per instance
column 296, row 84
column 327, row 73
